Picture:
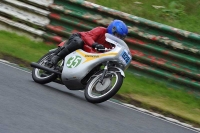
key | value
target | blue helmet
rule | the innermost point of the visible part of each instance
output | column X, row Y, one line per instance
column 118, row 28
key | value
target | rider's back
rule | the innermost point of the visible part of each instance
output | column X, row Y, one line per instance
column 95, row 35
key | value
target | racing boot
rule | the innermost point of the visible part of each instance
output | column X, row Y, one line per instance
column 60, row 55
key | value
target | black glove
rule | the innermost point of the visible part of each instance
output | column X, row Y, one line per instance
column 98, row 47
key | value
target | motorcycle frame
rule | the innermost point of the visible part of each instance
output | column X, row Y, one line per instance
column 79, row 63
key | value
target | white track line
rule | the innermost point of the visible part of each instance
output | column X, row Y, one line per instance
column 132, row 107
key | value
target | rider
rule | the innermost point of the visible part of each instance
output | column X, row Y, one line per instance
column 94, row 38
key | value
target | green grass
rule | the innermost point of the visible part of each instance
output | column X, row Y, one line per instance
column 182, row 14
column 177, row 102
column 149, row 92
column 22, row 47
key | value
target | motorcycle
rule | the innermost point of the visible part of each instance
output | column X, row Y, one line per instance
column 100, row 75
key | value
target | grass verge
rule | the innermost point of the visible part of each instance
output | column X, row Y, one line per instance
column 135, row 90
column 182, row 14
column 158, row 97
column 22, row 47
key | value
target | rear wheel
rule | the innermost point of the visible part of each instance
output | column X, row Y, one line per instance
column 41, row 76
column 96, row 92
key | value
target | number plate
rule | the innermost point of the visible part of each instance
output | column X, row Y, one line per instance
column 125, row 57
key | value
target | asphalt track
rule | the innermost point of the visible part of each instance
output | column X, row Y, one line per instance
column 28, row 107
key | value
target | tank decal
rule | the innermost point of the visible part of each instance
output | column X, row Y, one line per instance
column 90, row 57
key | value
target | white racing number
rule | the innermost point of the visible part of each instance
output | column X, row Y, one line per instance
column 74, row 61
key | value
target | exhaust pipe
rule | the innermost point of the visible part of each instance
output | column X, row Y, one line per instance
column 36, row 65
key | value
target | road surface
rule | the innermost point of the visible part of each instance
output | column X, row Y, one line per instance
column 28, row 107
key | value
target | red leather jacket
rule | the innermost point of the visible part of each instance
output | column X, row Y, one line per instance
column 89, row 37
column 95, row 35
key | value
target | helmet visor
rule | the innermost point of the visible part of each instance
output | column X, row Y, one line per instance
column 119, row 36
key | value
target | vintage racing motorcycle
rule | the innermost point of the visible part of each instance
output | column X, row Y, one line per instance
column 100, row 75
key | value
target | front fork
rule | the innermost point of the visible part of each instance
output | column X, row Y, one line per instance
column 104, row 72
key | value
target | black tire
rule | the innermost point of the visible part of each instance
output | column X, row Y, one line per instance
column 42, row 79
column 110, row 93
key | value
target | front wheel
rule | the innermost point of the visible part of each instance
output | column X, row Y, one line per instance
column 96, row 92
column 41, row 76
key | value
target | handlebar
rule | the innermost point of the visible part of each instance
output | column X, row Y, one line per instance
column 106, row 49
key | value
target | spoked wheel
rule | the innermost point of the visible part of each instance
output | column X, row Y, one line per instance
column 96, row 92
column 41, row 76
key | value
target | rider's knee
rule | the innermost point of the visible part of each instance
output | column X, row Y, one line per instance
column 79, row 42
column 75, row 43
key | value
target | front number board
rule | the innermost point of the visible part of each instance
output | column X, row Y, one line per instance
column 125, row 57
